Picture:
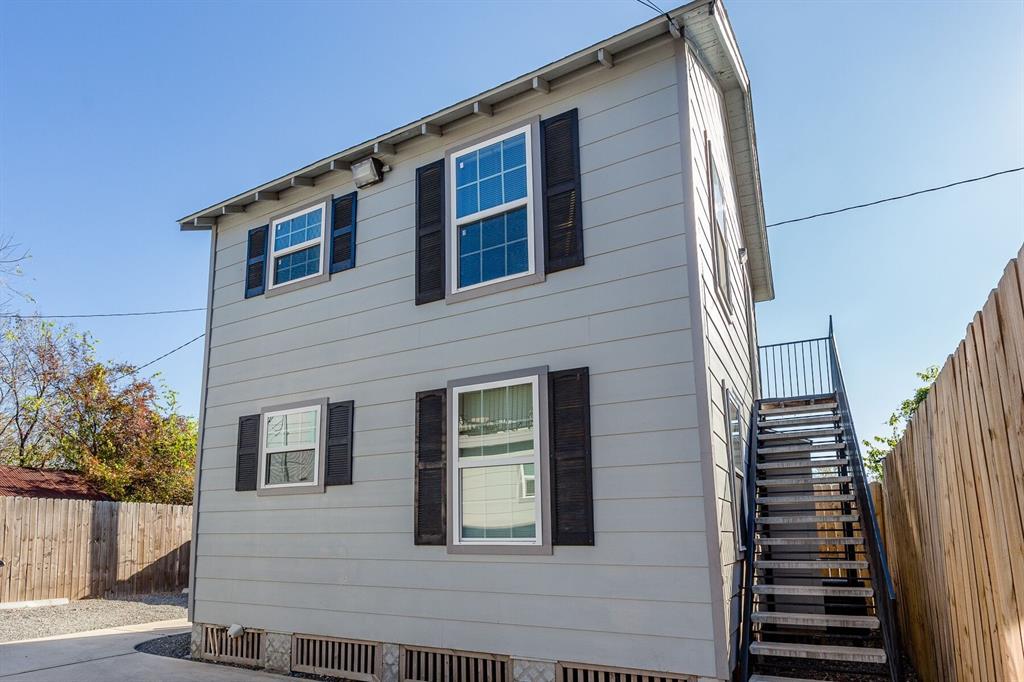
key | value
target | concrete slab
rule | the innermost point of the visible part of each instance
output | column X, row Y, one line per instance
column 109, row 655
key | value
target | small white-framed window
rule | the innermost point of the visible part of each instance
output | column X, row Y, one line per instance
column 291, row 447
column 296, row 245
column 738, row 466
column 496, row 462
column 492, row 221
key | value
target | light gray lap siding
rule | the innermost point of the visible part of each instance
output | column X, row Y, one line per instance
column 343, row 562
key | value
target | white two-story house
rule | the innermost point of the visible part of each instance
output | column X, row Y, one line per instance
column 476, row 392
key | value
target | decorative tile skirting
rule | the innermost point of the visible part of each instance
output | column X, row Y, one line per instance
column 195, row 646
column 278, row 652
column 527, row 670
column 391, row 667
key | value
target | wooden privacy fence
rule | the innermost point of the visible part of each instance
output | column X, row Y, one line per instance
column 55, row 548
column 954, row 503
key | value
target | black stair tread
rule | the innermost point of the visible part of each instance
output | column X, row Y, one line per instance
column 810, row 563
column 814, row 590
column 797, row 498
column 810, row 541
column 808, row 518
column 803, row 480
column 804, row 463
column 805, row 433
column 825, row 652
column 835, row 620
column 812, row 420
column 801, row 447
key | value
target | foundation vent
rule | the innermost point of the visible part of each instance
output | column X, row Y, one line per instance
column 347, row 658
column 577, row 672
column 423, row 664
column 247, row 649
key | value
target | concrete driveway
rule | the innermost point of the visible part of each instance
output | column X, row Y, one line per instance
column 106, row 655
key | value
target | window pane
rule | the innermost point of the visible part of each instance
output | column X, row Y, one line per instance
column 736, row 436
column 493, row 248
column 515, row 184
column 490, row 193
column 491, row 176
column 295, row 466
column 514, row 152
column 496, row 422
column 297, row 230
column 297, row 265
column 295, row 429
column 493, row 507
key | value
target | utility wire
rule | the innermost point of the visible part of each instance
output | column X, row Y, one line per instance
column 131, row 314
column 901, row 196
column 158, row 359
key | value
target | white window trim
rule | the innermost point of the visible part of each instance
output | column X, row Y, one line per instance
column 266, row 451
column 455, row 222
column 321, row 240
column 455, row 478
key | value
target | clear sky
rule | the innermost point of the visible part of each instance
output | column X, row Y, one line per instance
column 118, row 118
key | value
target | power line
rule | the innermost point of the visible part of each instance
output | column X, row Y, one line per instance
column 158, row 359
column 129, row 314
column 901, row 196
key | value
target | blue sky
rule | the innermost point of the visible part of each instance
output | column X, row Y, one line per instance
column 118, row 118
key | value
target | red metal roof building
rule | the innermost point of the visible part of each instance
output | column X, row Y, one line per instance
column 29, row 482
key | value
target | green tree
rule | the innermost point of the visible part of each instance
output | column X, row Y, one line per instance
column 880, row 447
column 125, row 434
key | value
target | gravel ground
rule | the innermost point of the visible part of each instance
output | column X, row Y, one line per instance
column 89, row 614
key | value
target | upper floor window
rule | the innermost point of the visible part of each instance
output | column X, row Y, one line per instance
column 719, row 240
column 296, row 245
column 492, row 207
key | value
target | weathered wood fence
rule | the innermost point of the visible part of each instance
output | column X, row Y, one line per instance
column 954, row 504
column 80, row 548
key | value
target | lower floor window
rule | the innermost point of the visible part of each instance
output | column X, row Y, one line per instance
column 496, row 463
column 291, row 446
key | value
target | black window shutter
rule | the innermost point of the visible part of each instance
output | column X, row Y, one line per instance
column 256, row 261
column 343, row 233
column 431, row 455
column 572, row 496
column 248, row 454
column 430, row 232
column 339, row 443
column 563, row 205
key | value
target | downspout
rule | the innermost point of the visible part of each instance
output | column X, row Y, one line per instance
column 193, row 549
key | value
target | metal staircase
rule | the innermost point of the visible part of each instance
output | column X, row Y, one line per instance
column 817, row 595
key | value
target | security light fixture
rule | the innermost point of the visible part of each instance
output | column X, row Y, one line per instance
column 743, row 255
column 368, row 172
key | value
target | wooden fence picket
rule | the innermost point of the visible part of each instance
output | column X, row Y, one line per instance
column 952, row 503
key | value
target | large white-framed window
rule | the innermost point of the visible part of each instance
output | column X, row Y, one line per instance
column 720, row 264
column 491, row 188
column 738, row 466
column 496, row 461
column 297, row 245
column 291, row 447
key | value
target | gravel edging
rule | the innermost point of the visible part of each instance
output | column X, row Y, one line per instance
column 90, row 614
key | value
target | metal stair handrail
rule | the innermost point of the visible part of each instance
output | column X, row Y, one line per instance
column 885, row 604
column 750, row 508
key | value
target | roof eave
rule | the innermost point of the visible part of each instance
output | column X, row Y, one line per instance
column 539, row 79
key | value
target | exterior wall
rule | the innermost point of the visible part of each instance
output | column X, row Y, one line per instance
column 343, row 563
column 728, row 337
